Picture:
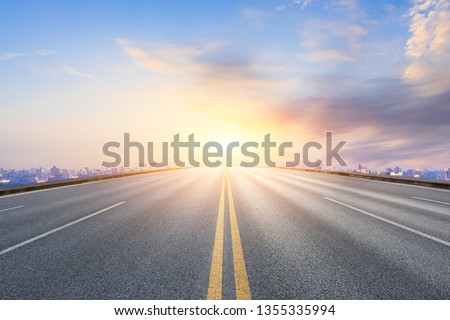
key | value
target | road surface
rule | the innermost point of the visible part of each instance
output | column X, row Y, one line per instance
column 227, row 234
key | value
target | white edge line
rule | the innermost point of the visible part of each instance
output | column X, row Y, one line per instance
column 425, row 235
column 429, row 200
column 62, row 187
column 57, row 229
column 71, row 185
column 4, row 210
column 378, row 181
column 400, row 184
column 49, row 189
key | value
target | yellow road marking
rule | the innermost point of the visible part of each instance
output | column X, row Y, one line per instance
column 215, row 276
column 240, row 271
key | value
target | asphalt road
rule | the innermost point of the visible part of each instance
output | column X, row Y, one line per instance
column 240, row 233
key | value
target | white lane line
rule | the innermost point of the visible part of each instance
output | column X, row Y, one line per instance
column 58, row 229
column 4, row 210
column 425, row 235
column 429, row 200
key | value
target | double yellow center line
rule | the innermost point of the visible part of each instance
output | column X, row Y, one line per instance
column 240, row 271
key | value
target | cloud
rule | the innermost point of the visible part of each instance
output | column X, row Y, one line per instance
column 402, row 126
column 14, row 55
column 214, row 79
column 350, row 5
column 11, row 55
column 385, row 119
column 332, row 40
column 347, row 5
column 169, row 59
column 207, row 63
column 301, row 3
column 68, row 70
column 251, row 13
column 326, row 55
column 73, row 72
column 45, row 52
column 428, row 48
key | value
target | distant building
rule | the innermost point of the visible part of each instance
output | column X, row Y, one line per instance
column 362, row 168
column 408, row 173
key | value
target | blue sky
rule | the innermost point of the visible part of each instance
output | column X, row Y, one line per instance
column 77, row 74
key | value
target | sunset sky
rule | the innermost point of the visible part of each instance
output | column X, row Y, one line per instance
column 76, row 74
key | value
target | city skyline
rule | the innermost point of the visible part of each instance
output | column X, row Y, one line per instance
column 40, row 174
column 78, row 75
